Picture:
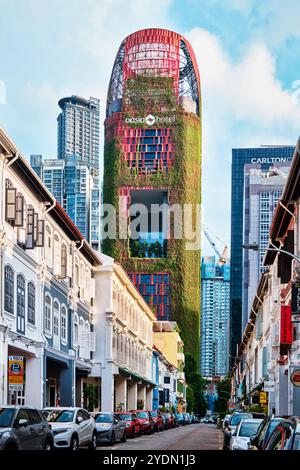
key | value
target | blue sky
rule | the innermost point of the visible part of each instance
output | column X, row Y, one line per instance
column 248, row 53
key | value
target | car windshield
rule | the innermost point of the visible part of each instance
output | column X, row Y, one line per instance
column 236, row 419
column 65, row 416
column 178, row 415
column 6, row 416
column 248, row 429
column 153, row 414
column 272, row 424
column 126, row 417
column 296, row 444
column 142, row 414
column 104, row 418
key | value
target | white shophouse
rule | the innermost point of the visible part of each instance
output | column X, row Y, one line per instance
column 123, row 326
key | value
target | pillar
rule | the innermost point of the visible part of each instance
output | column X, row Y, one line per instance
column 107, row 390
column 149, row 396
column 121, row 392
column 131, row 395
column 34, row 382
column 141, row 394
column 3, row 368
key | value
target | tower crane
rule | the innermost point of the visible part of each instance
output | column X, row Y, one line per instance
column 222, row 256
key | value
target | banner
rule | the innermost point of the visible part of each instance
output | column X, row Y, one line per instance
column 286, row 330
column 15, row 373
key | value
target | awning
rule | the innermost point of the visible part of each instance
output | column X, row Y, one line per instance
column 136, row 376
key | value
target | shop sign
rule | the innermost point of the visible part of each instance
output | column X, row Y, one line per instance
column 263, row 398
column 296, row 302
column 15, row 373
column 286, row 330
column 150, row 120
column 295, row 377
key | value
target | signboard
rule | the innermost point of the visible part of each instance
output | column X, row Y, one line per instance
column 286, row 330
column 15, row 373
column 263, row 398
column 295, row 378
column 296, row 302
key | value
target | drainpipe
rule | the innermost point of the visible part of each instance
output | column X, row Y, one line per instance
column 50, row 208
column 10, row 162
column 81, row 245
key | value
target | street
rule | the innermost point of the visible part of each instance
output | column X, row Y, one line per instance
column 191, row 437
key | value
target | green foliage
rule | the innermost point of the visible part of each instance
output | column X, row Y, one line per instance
column 90, row 396
column 196, row 386
column 156, row 95
column 223, row 391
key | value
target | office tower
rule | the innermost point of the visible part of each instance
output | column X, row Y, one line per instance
column 214, row 343
column 262, row 193
column 152, row 157
column 266, row 156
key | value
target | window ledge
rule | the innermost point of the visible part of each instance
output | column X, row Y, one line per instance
column 10, row 315
column 48, row 335
column 31, row 326
column 64, row 343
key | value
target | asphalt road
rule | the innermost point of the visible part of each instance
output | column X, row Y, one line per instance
column 190, row 437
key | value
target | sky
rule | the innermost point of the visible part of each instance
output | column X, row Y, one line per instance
column 248, row 53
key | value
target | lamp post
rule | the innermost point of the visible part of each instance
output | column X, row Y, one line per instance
column 256, row 247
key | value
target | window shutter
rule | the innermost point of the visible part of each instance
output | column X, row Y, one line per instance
column 19, row 211
column 87, row 290
column 22, row 236
column 35, row 227
column 93, row 288
column 30, row 228
column 40, row 240
column 10, row 206
column 69, row 265
column 57, row 258
column 265, row 362
column 93, row 341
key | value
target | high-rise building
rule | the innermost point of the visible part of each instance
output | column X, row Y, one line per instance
column 152, row 157
column 74, row 178
column 262, row 191
column 214, row 344
column 266, row 156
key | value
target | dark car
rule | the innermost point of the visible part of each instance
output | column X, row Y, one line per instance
column 24, row 428
column 157, row 419
column 260, row 439
column 110, row 428
column 285, row 436
column 231, row 425
column 133, row 426
column 169, row 420
column 147, row 425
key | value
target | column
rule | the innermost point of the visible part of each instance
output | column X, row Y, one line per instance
column 131, row 395
column 149, row 396
column 121, row 392
column 34, row 383
column 3, row 368
column 107, row 390
column 141, row 395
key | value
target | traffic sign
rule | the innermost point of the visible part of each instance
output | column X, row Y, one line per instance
column 263, row 398
column 295, row 377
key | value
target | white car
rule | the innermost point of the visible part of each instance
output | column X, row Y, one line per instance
column 241, row 436
column 72, row 427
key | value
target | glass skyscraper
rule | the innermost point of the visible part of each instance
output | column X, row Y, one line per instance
column 215, row 286
column 74, row 178
column 266, row 156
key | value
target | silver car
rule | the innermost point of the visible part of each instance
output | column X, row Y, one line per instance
column 72, row 427
column 110, row 428
column 24, row 428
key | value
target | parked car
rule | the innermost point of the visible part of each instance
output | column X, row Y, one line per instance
column 225, row 421
column 133, row 426
column 231, row 425
column 188, row 418
column 259, row 440
column 180, row 419
column 157, row 419
column 72, row 428
column 147, row 425
column 285, row 436
column 24, row 428
column 244, row 430
column 169, row 420
column 110, row 428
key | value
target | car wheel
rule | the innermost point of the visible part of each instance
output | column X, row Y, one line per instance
column 48, row 445
column 11, row 446
column 113, row 439
column 93, row 443
column 74, row 443
column 124, row 438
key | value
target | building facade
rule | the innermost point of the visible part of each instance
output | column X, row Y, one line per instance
column 214, row 345
column 46, row 274
column 165, row 393
column 152, row 161
column 262, row 191
column 266, row 156
column 270, row 349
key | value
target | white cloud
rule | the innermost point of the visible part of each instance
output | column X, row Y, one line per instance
column 244, row 104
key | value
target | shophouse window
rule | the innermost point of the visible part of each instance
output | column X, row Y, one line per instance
column 64, row 261
column 20, row 304
column 48, row 316
column 63, row 320
column 8, row 289
column 31, row 303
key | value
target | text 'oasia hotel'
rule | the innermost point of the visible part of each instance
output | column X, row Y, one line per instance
column 152, row 159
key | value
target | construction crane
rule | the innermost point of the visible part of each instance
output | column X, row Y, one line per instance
column 222, row 256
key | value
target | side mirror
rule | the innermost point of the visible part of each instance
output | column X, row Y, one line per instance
column 22, row 423
column 79, row 419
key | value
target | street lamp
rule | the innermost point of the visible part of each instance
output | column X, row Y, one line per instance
column 256, row 247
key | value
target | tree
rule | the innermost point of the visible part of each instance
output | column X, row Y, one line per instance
column 196, row 384
column 223, row 391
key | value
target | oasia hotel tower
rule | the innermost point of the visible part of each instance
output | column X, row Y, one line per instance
column 152, row 159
